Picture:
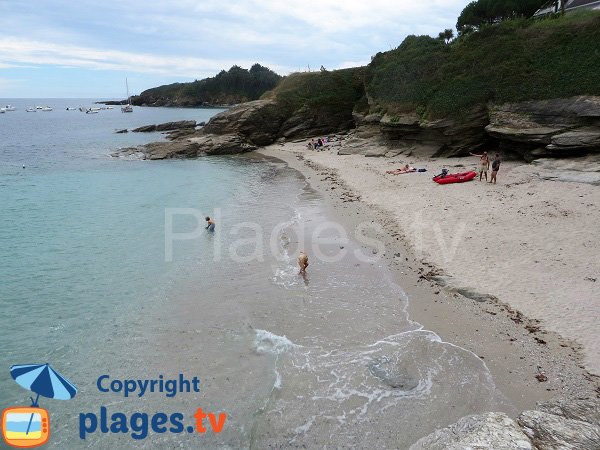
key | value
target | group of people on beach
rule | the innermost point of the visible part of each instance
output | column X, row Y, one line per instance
column 315, row 145
column 484, row 166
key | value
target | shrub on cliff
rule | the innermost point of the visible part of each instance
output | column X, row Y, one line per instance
column 515, row 60
column 321, row 93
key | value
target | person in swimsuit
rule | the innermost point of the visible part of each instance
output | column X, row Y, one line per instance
column 210, row 224
column 495, row 168
column 484, row 164
column 405, row 169
column 302, row 262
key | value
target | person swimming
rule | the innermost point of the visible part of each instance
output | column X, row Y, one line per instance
column 302, row 262
column 210, row 224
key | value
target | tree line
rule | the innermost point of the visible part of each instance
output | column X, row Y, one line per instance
column 488, row 12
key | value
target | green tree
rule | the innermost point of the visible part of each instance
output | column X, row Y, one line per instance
column 488, row 12
column 446, row 35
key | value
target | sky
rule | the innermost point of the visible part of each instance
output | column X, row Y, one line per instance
column 86, row 49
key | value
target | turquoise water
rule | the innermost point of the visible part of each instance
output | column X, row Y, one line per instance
column 88, row 285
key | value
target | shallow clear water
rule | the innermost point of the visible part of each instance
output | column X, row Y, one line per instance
column 87, row 285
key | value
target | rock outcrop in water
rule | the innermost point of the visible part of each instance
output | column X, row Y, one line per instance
column 557, row 424
column 167, row 126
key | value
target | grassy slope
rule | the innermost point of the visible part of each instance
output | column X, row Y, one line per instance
column 514, row 61
column 322, row 93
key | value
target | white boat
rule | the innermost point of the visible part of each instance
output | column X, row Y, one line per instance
column 110, row 107
column 38, row 107
column 46, row 108
column 31, row 109
column 71, row 109
column 2, row 110
column 92, row 111
column 9, row 108
column 127, row 108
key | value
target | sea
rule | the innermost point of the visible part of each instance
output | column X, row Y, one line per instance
column 108, row 274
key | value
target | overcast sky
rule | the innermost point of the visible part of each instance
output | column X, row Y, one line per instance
column 83, row 48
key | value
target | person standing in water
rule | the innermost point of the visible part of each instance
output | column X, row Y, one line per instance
column 484, row 164
column 210, row 224
column 302, row 262
column 495, row 168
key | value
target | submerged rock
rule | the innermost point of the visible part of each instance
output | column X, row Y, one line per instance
column 390, row 373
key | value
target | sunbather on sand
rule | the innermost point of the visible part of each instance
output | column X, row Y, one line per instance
column 405, row 169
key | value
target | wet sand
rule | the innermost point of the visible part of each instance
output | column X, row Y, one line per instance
column 465, row 292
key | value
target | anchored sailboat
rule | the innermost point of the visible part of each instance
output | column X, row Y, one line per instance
column 127, row 108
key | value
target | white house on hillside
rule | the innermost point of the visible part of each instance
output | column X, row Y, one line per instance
column 553, row 7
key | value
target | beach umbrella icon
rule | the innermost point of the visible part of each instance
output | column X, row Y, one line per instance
column 43, row 380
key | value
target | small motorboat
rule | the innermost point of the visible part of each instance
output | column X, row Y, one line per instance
column 92, row 111
column 71, row 109
column 2, row 111
column 46, row 108
column 9, row 108
column 454, row 177
column 31, row 110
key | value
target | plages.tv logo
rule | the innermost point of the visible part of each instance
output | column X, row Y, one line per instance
column 29, row 426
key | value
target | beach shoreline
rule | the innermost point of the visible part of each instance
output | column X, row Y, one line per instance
column 516, row 349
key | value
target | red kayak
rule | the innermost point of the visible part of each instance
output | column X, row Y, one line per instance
column 455, row 178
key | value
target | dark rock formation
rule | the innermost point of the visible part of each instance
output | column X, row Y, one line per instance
column 258, row 122
column 529, row 130
column 555, row 128
column 436, row 138
column 166, row 126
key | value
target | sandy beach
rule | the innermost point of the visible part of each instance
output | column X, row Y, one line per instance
column 511, row 268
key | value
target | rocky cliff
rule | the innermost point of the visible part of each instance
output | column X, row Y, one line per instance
column 526, row 130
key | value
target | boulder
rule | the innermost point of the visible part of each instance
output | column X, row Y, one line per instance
column 224, row 144
column 553, row 432
column 487, row 431
column 169, row 150
column 586, row 410
column 257, row 121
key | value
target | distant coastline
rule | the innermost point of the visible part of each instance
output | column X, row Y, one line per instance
column 203, row 106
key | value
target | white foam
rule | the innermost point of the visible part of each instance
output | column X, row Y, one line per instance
column 267, row 342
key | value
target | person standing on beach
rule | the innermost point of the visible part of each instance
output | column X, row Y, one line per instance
column 484, row 164
column 210, row 224
column 495, row 168
column 302, row 262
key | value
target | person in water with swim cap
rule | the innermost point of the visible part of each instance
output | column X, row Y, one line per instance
column 302, row 262
column 210, row 224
